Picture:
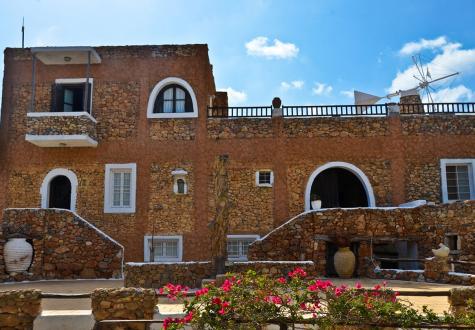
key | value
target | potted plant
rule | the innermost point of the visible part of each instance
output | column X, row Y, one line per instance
column 344, row 259
column 316, row 202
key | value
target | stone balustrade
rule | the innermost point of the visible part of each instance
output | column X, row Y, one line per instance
column 19, row 308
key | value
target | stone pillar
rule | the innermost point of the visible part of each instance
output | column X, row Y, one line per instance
column 364, row 253
column 124, row 304
column 19, row 308
column 458, row 299
column 436, row 268
column 411, row 104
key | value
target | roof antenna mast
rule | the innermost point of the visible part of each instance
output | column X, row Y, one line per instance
column 23, row 33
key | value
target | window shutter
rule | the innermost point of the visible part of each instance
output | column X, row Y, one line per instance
column 58, row 97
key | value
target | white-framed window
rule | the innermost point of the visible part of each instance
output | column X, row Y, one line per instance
column 180, row 184
column 172, row 97
column 119, row 188
column 163, row 248
column 264, row 178
column 238, row 246
column 457, row 178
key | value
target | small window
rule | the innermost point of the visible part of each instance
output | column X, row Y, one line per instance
column 163, row 248
column 457, row 179
column 180, row 186
column 238, row 246
column 264, row 178
column 452, row 241
column 173, row 99
column 120, row 188
column 69, row 96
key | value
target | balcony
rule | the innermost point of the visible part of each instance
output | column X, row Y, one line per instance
column 61, row 129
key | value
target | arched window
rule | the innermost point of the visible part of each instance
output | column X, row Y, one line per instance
column 59, row 189
column 180, row 186
column 173, row 99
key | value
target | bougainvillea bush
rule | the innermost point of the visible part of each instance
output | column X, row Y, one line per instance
column 251, row 301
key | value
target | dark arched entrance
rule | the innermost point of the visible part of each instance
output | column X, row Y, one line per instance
column 60, row 193
column 338, row 187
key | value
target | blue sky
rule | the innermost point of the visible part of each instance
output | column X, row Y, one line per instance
column 306, row 52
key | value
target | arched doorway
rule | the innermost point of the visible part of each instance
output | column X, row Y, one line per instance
column 339, row 184
column 59, row 189
column 60, row 193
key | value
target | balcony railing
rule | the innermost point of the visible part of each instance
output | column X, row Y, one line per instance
column 334, row 110
column 236, row 112
column 343, row 110
column 437, row 108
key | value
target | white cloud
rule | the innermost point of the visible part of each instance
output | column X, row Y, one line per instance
column 322, row 89
column 295, row 84
column 455, row 94
column 234, row 97
column 451, row 58
column 416, row 46
column 260, row 46
column 348, row 93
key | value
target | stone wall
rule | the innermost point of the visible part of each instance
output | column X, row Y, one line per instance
column 65, row 246
column 422, row 181
column 170, row 213
column 430, row 125
column 238, row 128
column 271, row 268
column 156, row 274
column 19, row 308
column 346, row 127
column 298, row 239
column 123, row 304
column 172, row 129
column 58, row 125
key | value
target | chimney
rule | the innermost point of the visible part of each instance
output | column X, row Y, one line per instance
column 411, row 104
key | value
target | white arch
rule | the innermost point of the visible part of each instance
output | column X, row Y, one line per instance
column 158, row 87
column 347, row 166
column 44, row 190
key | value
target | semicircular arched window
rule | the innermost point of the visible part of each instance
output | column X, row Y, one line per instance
column 173, row 99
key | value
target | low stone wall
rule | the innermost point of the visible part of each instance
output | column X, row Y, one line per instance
column 272, row 268
column 62, row 125
column 123, row 304
column 65, row 246
column 458, row 299
column 19, row 308
column 156, row 274
column 305, row 237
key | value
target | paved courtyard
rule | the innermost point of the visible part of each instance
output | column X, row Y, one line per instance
column 439, row 304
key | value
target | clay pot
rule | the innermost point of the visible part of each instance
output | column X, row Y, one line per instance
column 344, row 261
column 18, row 254
column 316, row 205
column 276, row 102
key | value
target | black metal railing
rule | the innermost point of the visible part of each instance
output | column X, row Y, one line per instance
column 236, row 112
column 334, row 110
column 342, row 110
column 437, row 108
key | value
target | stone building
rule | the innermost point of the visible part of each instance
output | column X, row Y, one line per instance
column 126, row 137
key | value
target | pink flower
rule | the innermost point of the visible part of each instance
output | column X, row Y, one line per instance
column 377, row 287
column 188, row 317
column 338, row 292
column 221, row 311
column 282, row 280
column 358, row 285
column 298, row 272
column 226, row 287
column 201, row 292
column 216, row 301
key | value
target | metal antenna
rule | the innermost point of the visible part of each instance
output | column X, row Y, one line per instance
column 23, row 33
